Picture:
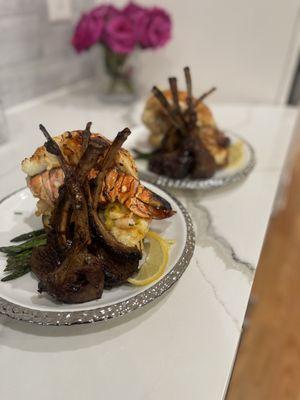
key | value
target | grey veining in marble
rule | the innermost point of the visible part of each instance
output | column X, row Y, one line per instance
column 218, row 298
column 208, row 236
column 36, row 55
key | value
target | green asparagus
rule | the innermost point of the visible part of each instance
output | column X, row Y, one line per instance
column 34, row 242
column 18, row 256
column 28, row 235
column 16, row 274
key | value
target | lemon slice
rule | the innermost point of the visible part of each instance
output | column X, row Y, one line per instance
column 155, row 263
column 236, row 154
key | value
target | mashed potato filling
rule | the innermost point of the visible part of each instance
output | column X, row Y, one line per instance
column 125, row 226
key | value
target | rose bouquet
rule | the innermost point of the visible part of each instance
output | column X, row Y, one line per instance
column 120, row 32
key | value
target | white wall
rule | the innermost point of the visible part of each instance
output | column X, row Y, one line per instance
column 248, row 49
column 36, row 55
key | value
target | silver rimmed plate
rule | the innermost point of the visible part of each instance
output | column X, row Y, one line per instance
column 223, row 177
column 20, row 300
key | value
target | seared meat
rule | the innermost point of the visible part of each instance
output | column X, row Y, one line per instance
column 116, row 270
column 77, row 279
column 73, row 272
column 187, row 141
column 82, row 256
column 175, row 164
column 204, row 165
column 192, row 159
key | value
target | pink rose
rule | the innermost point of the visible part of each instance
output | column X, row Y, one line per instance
column 104, row 12
column 120, row 35
column 87, row 32
column 157, row 31
column 139, row 18
column 134, row 12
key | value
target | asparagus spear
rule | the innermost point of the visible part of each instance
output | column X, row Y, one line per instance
column 28, row 235
column 16, row 274
column 34, row 242
column 14, row 264
column 18, row 256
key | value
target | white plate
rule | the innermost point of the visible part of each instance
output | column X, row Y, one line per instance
column 19, row 298
column 223, row 177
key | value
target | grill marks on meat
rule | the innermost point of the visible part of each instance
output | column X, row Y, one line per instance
column 116, row 269
column 81, row 256
column 182, row 152
column 76, row 279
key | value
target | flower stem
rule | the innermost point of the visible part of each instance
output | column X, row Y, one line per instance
column 115, row 68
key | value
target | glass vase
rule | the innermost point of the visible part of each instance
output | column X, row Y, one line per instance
column 120, row 71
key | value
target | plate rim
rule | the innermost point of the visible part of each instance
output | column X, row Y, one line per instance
column 118, row 309
column 204, row 184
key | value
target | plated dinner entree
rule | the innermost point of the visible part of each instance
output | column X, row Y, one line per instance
column 96, row 215
column 186, row 140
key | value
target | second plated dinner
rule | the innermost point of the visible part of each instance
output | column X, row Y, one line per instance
column 185, row 147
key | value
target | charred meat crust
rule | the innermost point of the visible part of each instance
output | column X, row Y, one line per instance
column 79, row 278
column 70, row 267
column 182, row 152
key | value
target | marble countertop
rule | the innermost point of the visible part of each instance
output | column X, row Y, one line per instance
column 182, row 346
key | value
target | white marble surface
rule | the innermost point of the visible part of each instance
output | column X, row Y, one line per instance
column 183, row 345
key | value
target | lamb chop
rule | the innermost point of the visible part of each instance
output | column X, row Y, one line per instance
column 186, row 148
column 82, row 256
column 75, row 274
